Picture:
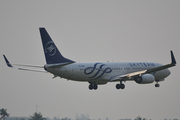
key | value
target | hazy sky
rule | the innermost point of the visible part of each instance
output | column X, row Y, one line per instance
column 103, row 30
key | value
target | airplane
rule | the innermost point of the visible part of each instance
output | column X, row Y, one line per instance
column 97, row 73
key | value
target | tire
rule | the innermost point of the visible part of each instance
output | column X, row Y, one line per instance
column 90, row 87
column 95, row 87
column 118, row 86
column 122, row 86
column 157, row 85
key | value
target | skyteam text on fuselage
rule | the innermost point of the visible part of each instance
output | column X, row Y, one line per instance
column 97, row 73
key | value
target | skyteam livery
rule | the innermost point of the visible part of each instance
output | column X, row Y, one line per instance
column 97, row 73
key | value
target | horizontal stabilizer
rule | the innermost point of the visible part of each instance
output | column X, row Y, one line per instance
column 23, row 66
column 43, row 71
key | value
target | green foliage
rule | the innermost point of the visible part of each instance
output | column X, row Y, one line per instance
column 140, row 118
column 37, row 116
column 3, row 113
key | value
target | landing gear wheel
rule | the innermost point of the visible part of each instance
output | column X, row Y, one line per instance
column 122, row 86
column 157, row 85
column 93, row 86
column 90, row 86
column 118, row 86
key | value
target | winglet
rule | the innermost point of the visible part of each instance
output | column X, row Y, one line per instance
column 7, row 62
column 173, row 58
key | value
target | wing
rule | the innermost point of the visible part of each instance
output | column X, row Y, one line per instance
column 25, row 67
column 139, row 73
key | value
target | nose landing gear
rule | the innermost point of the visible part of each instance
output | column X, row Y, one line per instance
column 157, row 84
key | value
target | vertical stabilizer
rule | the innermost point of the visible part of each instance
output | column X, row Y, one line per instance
column 51, row 52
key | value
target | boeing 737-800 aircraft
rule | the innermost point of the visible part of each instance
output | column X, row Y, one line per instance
column 98, row 73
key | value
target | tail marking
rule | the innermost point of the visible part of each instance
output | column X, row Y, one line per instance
column 51, row 52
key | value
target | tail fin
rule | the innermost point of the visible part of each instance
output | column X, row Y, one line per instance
column 51, row 52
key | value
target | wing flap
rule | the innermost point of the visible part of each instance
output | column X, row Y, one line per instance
column 127, row 76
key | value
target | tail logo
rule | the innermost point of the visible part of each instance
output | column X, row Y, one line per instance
column 50, row 48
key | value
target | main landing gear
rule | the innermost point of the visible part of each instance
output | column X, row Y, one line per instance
column 120, row 86
column 93, row 86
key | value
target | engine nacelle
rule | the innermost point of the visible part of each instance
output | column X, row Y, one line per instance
column 145, row 79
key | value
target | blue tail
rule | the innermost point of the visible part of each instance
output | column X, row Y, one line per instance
column 51, row 52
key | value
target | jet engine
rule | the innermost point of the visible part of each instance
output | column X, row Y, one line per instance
column 145, row 79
